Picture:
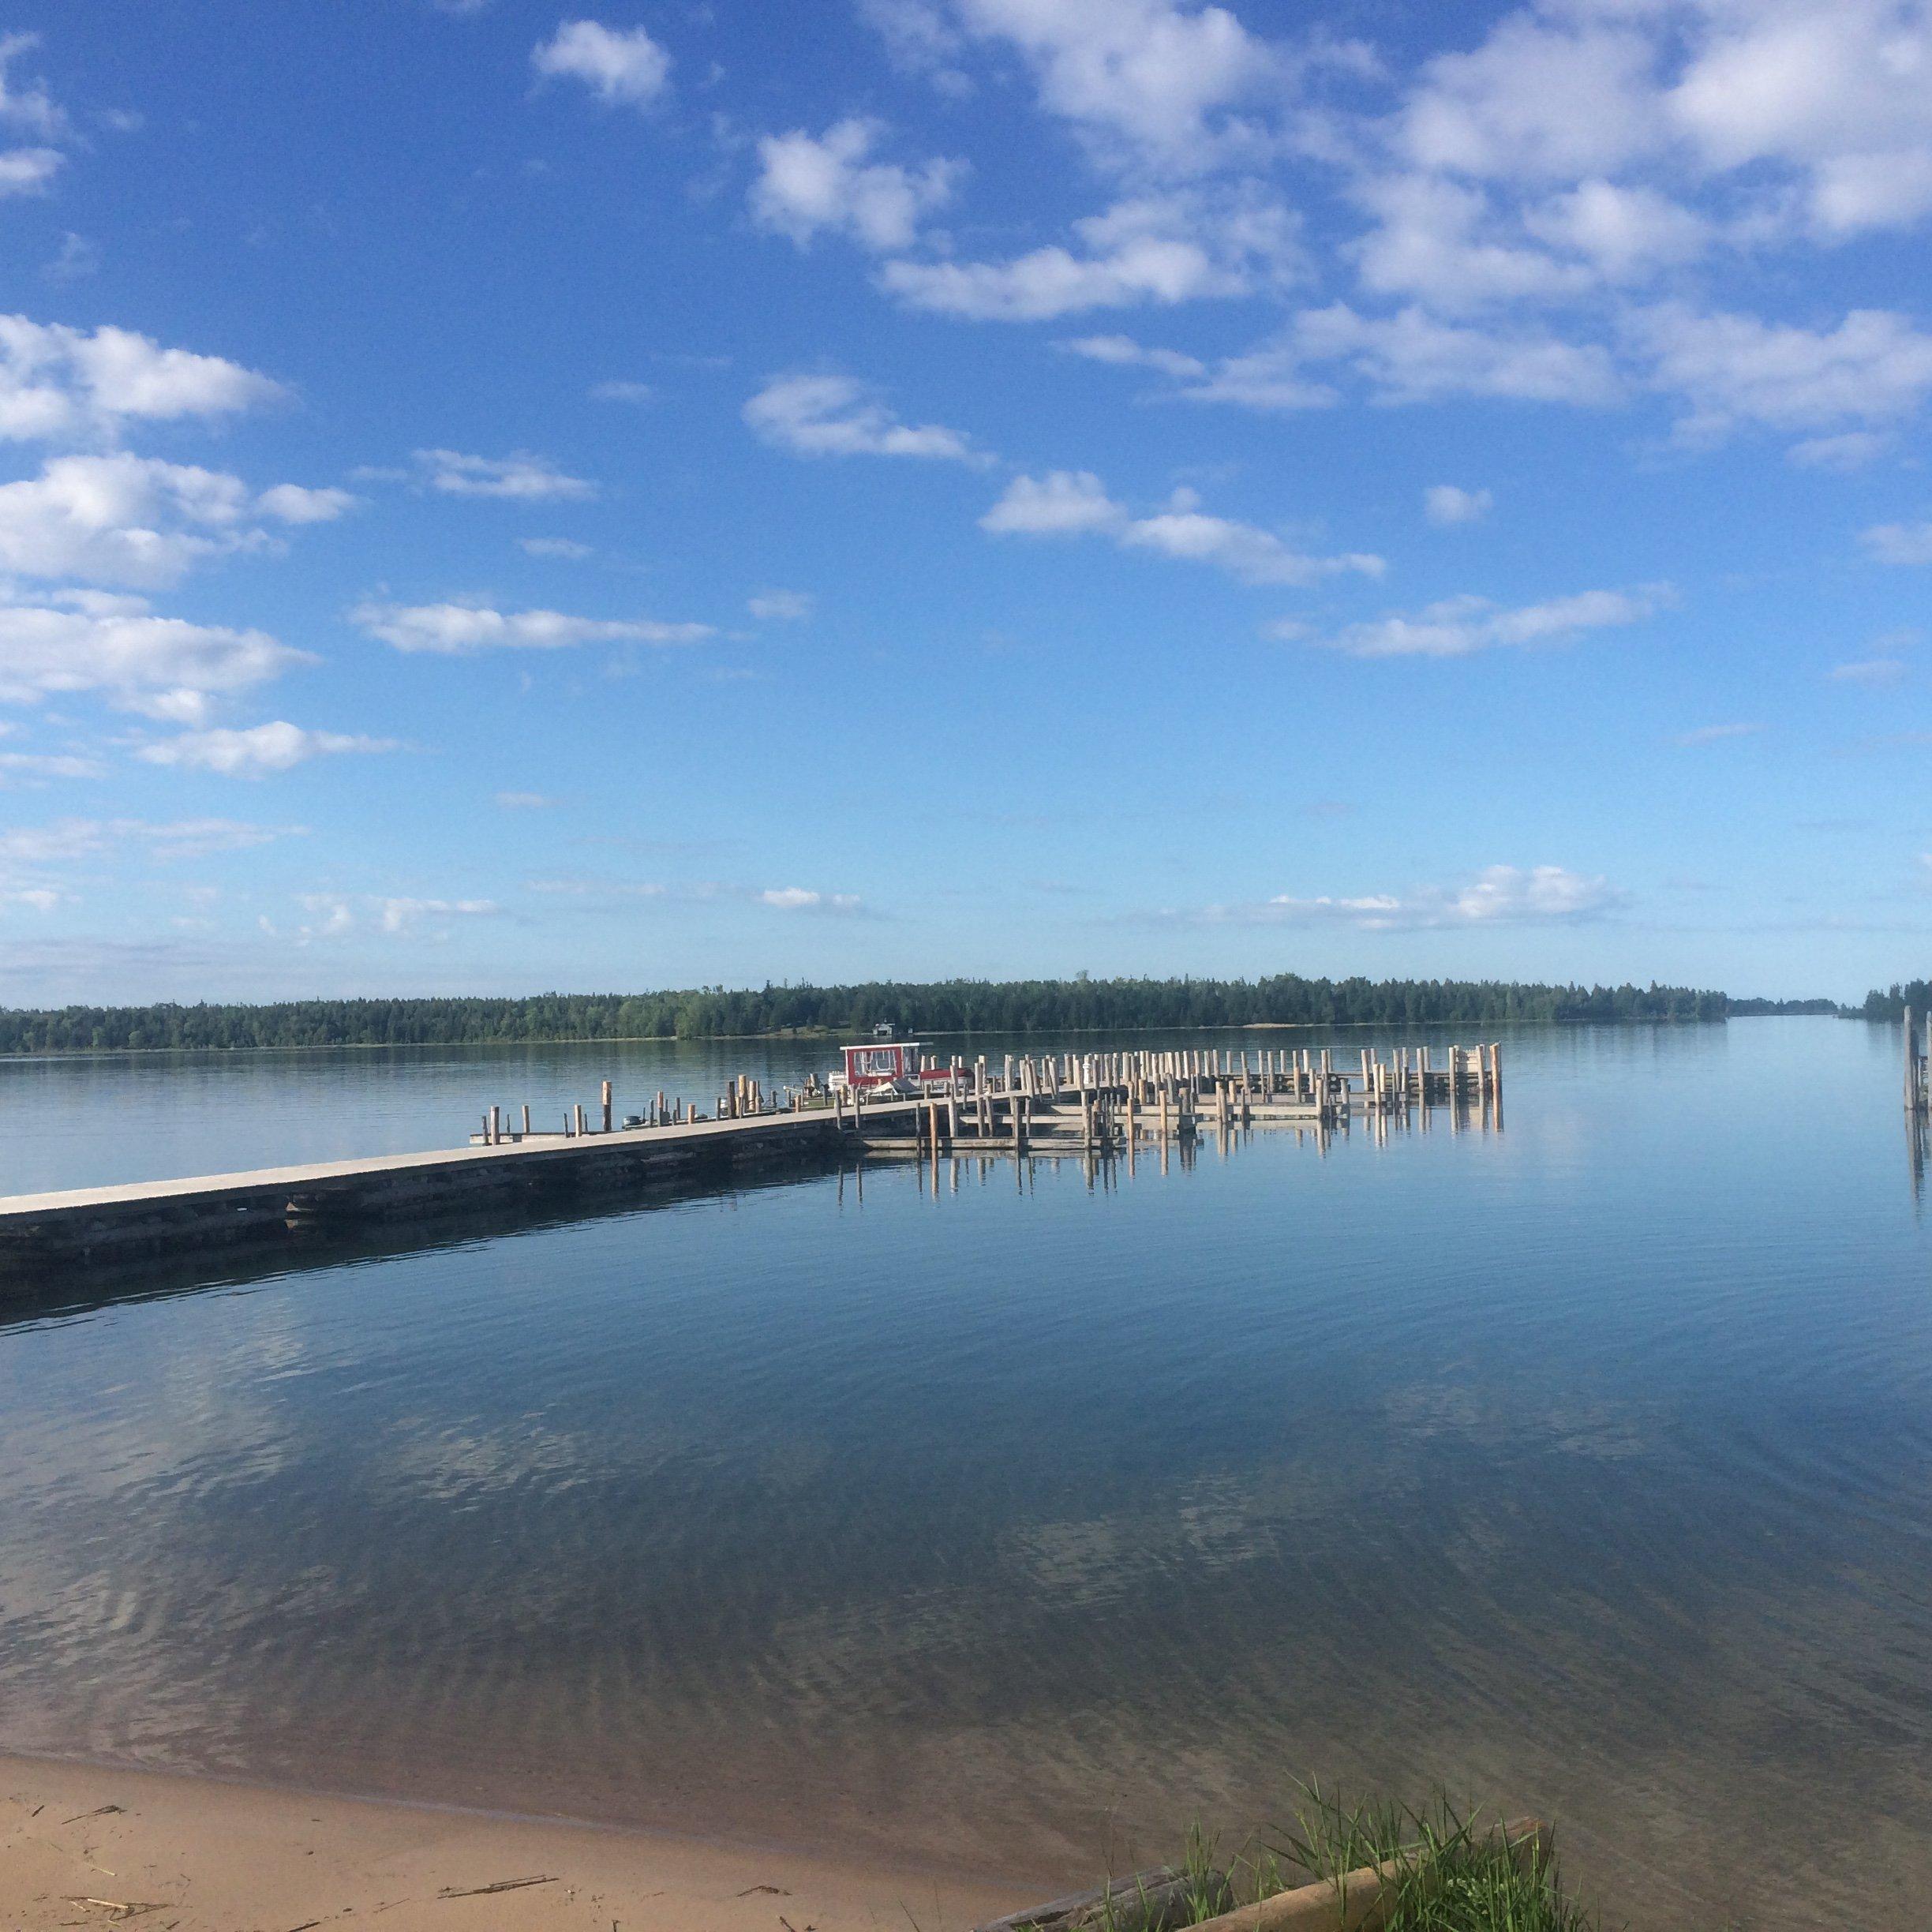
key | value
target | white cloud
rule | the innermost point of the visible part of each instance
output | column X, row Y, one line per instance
column 290, row 503
column 1851, row 449
column 1459, row 626
column 623, row 67
column 28, row 106
column 1146, row 80
column 1715, row 734
column 809, row 185
column 69, row 839
column 1063, row 502
column 1500, row 895
column 455, row 630
column 258, row 750
column 784, row 606
column 1165, row 248
column 1446, row 504
column 1813, row 117
column 1899, row 543
column 124, row 519
column 1435, row 239
column 68, row 383
column 525, row 801
column 1623, row 233
column 1123, row 352
column 84, row 641
column 839, row 416
column 334, row 916
column 621, row 391
column 28, row 170
column 1413, row 357
column 1873, row 672
column 519, row 475
column 1254, row 555
column 800, row 898
column 567, row 548
column 919, row 39
column 32, row 766
column 1542, row 98
column 397, row 916
column 1075, row 503
column 1874, row 367
column 1841, row 93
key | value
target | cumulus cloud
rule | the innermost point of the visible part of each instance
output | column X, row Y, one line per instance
column 1075, row 503
column 135, row 520
column 782, row 606
column 1500, row 895
column 1447, row 504
column 1254, row 555
column 1874, row 367
column 89, row 641
column 81, row 385
column 1851, row 449
column 801, row 898
column 623, row 67
column 459, row 629
column 839, row 416
column 26, row 104
column 1899, row 543
column 28, row 170
column 290, row 503
column 519, row 475
column 1123, row 352
column 1063, row 502
column 1459, row 626
column 257, row 749
column 1875, row 673
column 1148, row 81
column 1827, row 105
column 1413, row 357
column 809, row 184
column 704, row 892
column 1165, row 248
column 70, row 838
column 335, row 915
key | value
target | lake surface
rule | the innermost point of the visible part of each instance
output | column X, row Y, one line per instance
column 1585, row 1468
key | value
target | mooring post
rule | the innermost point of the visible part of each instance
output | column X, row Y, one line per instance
column 609, row 1118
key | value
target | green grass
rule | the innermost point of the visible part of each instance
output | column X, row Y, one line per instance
column 1455, row 1873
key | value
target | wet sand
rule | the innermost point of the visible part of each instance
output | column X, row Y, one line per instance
column 83, row 1846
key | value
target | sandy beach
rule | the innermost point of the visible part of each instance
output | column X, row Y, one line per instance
column 82, row 1846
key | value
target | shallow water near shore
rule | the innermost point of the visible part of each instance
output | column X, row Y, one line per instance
column 1585, row 1467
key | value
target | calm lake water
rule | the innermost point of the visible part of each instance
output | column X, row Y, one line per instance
column 1585, row 1468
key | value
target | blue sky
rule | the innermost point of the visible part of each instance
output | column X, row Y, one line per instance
column 496, row 499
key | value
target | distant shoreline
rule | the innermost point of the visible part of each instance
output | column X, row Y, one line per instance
column 843, row 1033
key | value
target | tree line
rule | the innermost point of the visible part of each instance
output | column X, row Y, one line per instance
column 1891, row 1003
column 1015, row 1006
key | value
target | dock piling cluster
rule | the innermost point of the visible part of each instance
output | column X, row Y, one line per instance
column 1096, row 1104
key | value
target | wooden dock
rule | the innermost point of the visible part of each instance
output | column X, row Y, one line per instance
column 1100, row 1104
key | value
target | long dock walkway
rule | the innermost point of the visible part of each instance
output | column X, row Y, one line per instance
column 1099, row 1102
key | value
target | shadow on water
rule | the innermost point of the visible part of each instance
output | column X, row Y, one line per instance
column 63, row 1286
